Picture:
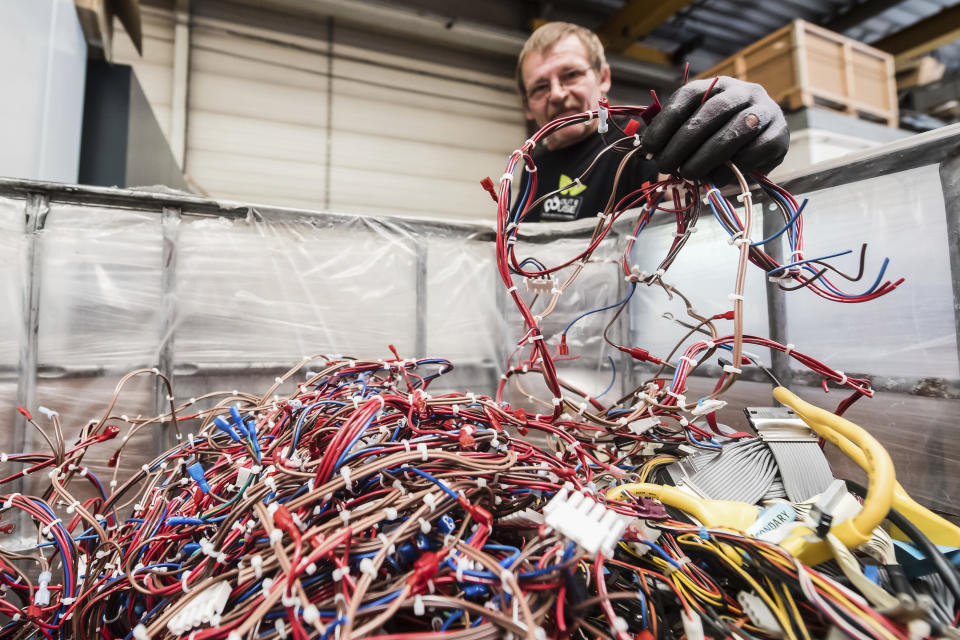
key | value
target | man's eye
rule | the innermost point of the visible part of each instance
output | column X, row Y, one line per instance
column 538, row 89
column 573, row 76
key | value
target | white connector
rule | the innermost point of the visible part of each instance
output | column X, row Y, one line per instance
column 641, row 426
column 581, row 519
column 205, row 608
column 704, row 407
column 759, row 613
column 692, row 626
column 42, row 597
column 539, row 285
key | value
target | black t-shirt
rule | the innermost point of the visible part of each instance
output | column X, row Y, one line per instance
column 556, row 169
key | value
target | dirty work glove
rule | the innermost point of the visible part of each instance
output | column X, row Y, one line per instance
column 694, row 138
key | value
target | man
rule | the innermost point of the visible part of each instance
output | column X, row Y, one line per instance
column 562, row 71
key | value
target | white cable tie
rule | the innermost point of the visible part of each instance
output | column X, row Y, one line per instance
column 734, row 237
column 843, row 377
column 710, row 344
column 706, row 196
column 529, row 170
column 183, row 582
column 729, row 368
column 690, row 361
column 366, row 566
column 505, row 576
column 789, row 349
column 733, row 297
column 512, row 289
column 422, row 448
column 557, row 402
column 536, row 336
column 406, row 445
column 531, row 142
column 431, row 501
column 741, row 241
column 507, row 176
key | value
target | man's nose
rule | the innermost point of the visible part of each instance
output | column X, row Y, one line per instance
column 558, row 92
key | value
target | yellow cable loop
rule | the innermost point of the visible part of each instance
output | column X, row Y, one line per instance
column 881, row 476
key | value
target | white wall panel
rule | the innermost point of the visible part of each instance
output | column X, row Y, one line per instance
column 403, row 134
column 257, row 118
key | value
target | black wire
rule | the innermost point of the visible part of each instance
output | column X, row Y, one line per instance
column 949, row 573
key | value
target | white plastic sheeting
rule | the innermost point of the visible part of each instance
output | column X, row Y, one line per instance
column 249, row 293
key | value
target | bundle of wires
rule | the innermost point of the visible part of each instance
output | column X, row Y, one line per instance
column 663, row 395
column 362, row 506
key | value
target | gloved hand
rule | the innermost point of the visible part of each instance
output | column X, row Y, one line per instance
column 738, row 121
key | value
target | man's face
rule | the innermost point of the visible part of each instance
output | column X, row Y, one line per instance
column 560, row 82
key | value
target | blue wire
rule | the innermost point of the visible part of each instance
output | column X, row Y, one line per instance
column 612, row 380
column 662, row 553
column 353, row 442
column 633, row 287
column 789, row 224
column 303, row 415
column 800, row 262
column 876, row 283
column 450, row 620
column 435, row 481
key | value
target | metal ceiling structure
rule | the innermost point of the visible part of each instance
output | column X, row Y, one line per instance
column 704, row 32
column 647, row 40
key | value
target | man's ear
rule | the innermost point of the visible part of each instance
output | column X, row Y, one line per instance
column 605, row 80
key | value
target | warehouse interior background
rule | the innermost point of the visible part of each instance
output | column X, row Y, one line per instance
column 396, row 107
column 216, row 190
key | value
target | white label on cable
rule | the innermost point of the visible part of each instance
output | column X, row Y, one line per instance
column 773, row 523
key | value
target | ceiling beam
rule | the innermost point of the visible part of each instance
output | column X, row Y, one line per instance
column 924, row 36
column 636, row 19
column 858, row 15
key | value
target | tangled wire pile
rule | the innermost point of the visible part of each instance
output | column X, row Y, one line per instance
column 359, row 505
column 362, row 506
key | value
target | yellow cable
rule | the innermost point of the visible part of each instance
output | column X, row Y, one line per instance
column 875, row 460
column 795, row 611
column 939, row 530
column 711, row 513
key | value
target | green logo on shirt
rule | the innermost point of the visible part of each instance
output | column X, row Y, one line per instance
column 571, row 191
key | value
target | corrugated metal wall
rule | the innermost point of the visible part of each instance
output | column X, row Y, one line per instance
column 328, row 121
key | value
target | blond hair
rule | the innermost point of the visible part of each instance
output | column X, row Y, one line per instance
column 550, row 34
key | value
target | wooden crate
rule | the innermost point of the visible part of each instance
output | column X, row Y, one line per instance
column 803, row 65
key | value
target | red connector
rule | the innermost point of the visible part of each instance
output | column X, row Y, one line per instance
column 283, row 519
column 641, row 355
column 476, row 512
column 723, row 316
column 467, row 441
column 487, row 185
column 564, row 351
column 108, row 434
column 425, row 567
column 631, row 127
